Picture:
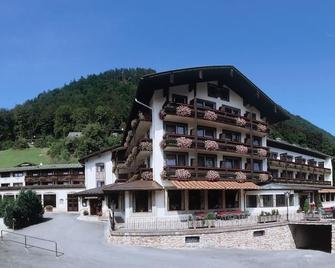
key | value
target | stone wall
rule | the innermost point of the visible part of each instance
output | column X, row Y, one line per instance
column 268, row 238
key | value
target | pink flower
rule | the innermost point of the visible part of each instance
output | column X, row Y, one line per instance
column 261, row 127
column 145, row 146
column 182, row 174
column 184, row 143
column 241, row 122
column 146, row 175
column 211, row 145
column 263, row 177
column 240, row 177
column 164, row 174
column 212, row 175
column 262, row 152
column 210, row 115
column 162, row 115
column 183, row 110
column 241, row 149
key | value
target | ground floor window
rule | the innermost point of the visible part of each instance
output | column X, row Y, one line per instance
column 196, row 199
column 49, row 200
column 232, row 199
column 327, row 197
column 280, row 200
column 142, row 201
column 176, row 200
column 267, row 201
column 214, row 199
column 291, row 200
column 8, row 197
column 113, row 198
column 252, row 201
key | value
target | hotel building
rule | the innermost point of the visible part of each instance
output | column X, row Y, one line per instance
column 198, row 140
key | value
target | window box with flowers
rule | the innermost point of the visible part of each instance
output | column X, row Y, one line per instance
column 146, row 175
column 240, row 177
column 262, row 152
column 212, row 175
column 211, row 145
column 241, row 149
column 241, row 122
column 184, row 143
column 145, row 146
column 261, row 127
column 182, row 174
column 210, row 115
column 183, row 110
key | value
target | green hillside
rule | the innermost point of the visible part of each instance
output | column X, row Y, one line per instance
column 96, row 106
column 11, row 157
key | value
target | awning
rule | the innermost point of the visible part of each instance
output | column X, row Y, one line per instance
column 326, row 191
column 91, row 192
column 214, row 185
column 133, row 186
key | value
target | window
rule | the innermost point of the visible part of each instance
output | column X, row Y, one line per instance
column 205, row 104
column 49, row 200
column 100, row 167
column 231, row 163
column 301, row 175
column 5, row 175
column 214, row 199
column 258, row 165
column 18, row 184
column 267, row 201
column 274, row 173
column 207, row 161
column 206, row 132
column 174, row 128
column 257, row 141
column 232, row 199
column 327, row 197
column 100, row 183
column 142, row 201
column 176, row 159
column 179, row 99
column 280, row 200
column 215, row 91
column 287, row 174
column 252, row 201
column 230, row 110
column 113, row 199
column 231, row 136
column 273, row 155
column 5, row 184
column 196, row 199
column 18, row 174
column 291, row 200
column 176, row 200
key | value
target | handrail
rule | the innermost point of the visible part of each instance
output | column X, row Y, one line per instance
column 27, row 245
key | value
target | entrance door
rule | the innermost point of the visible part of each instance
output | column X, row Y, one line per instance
column 95, row 206
column 72, row 202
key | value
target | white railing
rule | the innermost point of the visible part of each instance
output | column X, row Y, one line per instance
column 183, row 223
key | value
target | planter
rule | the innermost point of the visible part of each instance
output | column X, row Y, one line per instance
column 266, row 219
column 196, row 224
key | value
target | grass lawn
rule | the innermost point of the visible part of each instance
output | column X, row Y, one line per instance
column 11, row 158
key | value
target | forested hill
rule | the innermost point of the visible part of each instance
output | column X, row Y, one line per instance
column 98, row 104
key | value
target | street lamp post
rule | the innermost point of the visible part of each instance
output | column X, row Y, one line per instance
column 287, row 196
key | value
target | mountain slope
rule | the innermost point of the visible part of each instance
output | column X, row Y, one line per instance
column 98, row 104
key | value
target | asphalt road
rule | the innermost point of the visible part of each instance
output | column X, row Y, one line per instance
column 84, row 246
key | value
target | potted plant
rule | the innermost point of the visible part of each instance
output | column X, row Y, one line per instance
column 210, row 220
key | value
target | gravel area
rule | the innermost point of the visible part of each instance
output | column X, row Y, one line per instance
column 84, row 246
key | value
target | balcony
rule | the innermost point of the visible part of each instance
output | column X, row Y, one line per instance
column 300, row 181
column 230, row 121
column 214, row 173
column 69, row 179
column 290, row 165
column 139, row 129
column 229, row 147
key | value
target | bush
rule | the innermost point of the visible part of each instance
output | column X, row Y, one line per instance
column 24, row 211
column 21, row 143
column 3, row 204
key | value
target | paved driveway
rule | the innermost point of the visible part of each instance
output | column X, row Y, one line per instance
column 84, row 246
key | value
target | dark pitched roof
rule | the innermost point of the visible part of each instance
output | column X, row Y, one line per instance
column 91, row 192
column 133, row 186
column 296, row 148
column 42, row 167
column 111, row 149
column 228, row 74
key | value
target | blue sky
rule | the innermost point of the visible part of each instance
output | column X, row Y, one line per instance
column 285, row 47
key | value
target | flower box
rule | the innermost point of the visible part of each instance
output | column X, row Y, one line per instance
column 267, row 219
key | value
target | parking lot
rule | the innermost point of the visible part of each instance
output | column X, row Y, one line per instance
column 84, row 245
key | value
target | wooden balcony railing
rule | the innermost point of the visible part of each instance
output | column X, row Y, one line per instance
column 224, row 145
column 200, row 173
column 298, row 166
column 222, row 117
column 300, row 181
